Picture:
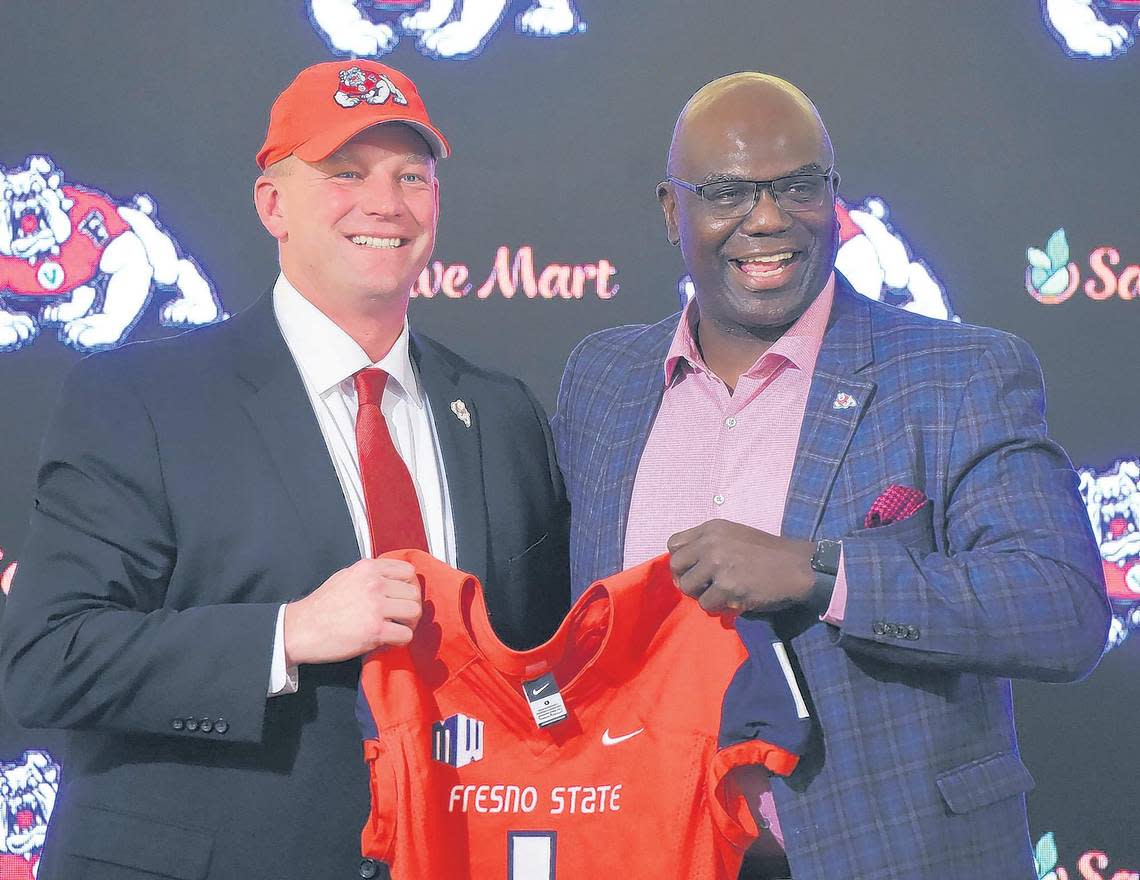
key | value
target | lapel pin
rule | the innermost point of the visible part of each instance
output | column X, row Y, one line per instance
column 460, row 409
column 843, row 400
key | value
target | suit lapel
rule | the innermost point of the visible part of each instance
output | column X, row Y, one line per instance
column 836, row 403
column 461, row 445
column 627, row 433
column 283, row 415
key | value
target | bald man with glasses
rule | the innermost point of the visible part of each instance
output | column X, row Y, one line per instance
column 870, row 482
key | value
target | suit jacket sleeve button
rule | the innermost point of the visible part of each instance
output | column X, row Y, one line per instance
column 221, row 725
column 177, row 723
column 192, row 724
column 205, row 725
column 369, row 869
column 878, row 628
column 912, row 633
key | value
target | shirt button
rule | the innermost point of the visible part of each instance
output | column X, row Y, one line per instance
column 718, row 500
column 730, row 422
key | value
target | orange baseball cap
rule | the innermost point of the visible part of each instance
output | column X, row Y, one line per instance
column 328, row 103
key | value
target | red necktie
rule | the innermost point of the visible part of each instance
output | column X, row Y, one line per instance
column 394, row 518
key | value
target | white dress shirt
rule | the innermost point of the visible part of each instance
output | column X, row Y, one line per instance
column 327, row 359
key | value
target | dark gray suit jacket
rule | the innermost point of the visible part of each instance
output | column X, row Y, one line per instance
column 185, row 492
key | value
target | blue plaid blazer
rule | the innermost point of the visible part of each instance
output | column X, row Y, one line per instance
column 914, row 770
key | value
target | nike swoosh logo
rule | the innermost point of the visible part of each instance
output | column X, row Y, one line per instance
column 537, row 692
column 608, row 740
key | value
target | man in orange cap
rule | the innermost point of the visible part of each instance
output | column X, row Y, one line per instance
column 199, row 579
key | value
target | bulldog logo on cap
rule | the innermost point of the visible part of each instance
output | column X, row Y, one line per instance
column 358, row 85
column 303, row 122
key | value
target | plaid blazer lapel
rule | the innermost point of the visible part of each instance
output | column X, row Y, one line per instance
column 836, row 403
column 610, row 396
column 627, row 431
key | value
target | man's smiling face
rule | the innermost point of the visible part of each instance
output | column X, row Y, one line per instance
column 360, row 224
column 756, row 273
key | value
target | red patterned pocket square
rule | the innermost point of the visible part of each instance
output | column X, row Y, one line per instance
column 895, row 504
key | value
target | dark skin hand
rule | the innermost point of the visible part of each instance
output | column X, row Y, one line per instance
column 729, row 567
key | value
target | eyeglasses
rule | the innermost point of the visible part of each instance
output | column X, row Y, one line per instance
column 725, row 199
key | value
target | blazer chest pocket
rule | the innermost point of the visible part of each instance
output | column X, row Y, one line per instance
column 916, row 531
column 137, row 842
column 984, row 781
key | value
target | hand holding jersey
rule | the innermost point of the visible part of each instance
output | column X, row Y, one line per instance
column 371, row 604
column 727, row 566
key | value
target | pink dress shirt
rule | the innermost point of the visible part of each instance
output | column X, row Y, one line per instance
column 712, row 454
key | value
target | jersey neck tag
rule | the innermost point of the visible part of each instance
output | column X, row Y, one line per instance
column 545, row 700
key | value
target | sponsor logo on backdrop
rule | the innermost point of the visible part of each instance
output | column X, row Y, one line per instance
column 1089, row 866
column 876, row 259
column 28, row 789
column 1112, row 498
column 74, row 258
column 1052, row 276
column 1093, row 28
column 446, row 29
column 515, row 272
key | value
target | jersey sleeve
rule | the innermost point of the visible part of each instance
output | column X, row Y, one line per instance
column 764, row 722
column 763, row 705
column 732, row 816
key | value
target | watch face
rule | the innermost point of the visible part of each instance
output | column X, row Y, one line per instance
column 826, row 557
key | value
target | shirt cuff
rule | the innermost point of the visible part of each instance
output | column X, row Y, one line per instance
column 282, row 679
column 838, row 607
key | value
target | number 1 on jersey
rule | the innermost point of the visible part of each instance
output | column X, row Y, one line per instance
column 530, row 855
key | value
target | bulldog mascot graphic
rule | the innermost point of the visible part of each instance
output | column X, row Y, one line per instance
column 450, row 29
column 363, row 86
column 1093, row 28
column 28, row 789
column 73, row 258
column 877, row 260
column 1112, row 498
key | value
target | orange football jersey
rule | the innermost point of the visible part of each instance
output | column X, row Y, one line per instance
column 630, row 784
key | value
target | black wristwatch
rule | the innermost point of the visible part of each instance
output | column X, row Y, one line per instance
column 825, row 559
